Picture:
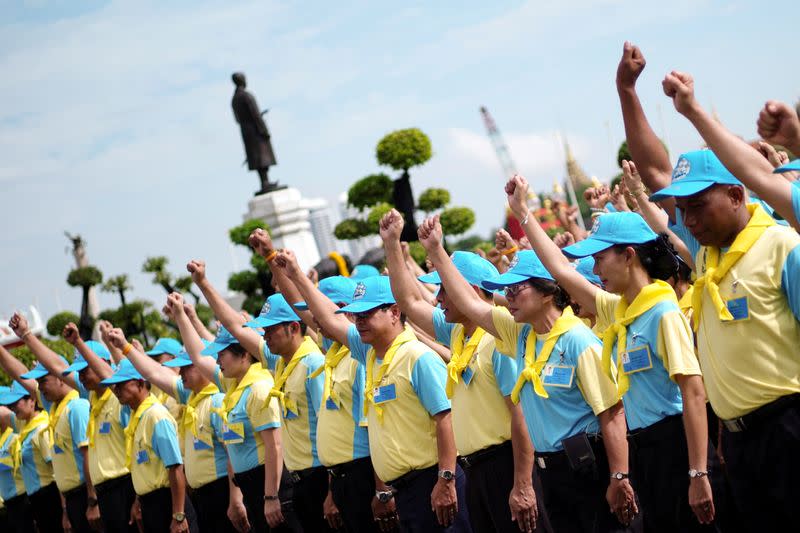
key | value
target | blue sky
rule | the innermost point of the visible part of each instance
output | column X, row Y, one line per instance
column 116, row 121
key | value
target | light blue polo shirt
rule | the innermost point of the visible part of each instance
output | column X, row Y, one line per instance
column 220, row 454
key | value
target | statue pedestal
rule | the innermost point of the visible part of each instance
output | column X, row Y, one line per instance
column 288, row 222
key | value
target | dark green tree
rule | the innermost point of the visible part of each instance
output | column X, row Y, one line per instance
column 255, row 284
column 24, row 354
column 370, row 190
column 57, row 322
column 118, row 284
column 433, row 199
column 158, row 267
column 85, row 278
column 404, row 149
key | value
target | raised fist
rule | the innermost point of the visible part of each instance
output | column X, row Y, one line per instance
column 260, row 241
column 197, row 269
column 18, row 324
column 430, row 233
column 517, row 193
column 630, row 66
column 778, row 124
column 680, row 87
column 117, row 338
column 391, row 226
column 503, row 240
column 71, row 334
column 174, row 305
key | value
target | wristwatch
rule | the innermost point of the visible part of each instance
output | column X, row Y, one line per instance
column 179, row 517
column 619, row 476
column 697, row 473
column 268, row 498
column 384, row 495
column 447, row 475
column 91, row 502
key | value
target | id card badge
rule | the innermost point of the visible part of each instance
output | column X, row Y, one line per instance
column 233, row 433
column 105, row 428
column 199, row 445
column 467, row 375
column 637, row 359
column 331, row 405
column 384, row 394
column 142, row 457
column 558, row 375
column 739, row 308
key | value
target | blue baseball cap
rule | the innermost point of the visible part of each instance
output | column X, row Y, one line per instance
column 13, row 394
column 585, row 267
column 276, row 310
column 473, row 267
column 338, row 289
column 694, row 173
column 370, row 293
column 125, row 372
column 624, row 227
column 363, row 272
column 222, row 341
column 79, row 363
column 40, row 371
column 788, row 167
column 182, row 359
column 166, row 345
column 525, row 265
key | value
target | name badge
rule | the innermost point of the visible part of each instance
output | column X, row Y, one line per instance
column 558, row 375
column 739, row 308
column 467, row 375
column 331, row 405
column 57, row 450
column 142, row 457
column 105, row 428
column 233, row 433
column 637, row 360
column 199, row 445
column 384, row 394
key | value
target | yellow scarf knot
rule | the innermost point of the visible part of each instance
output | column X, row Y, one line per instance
column 373, row 382
column 461, row 356
column 56, row 411
column 190, row 410
column 42, row 419
column 333, row 357
column 282, row 374
column 130, row 431
column 256, row 372
column 97, row 405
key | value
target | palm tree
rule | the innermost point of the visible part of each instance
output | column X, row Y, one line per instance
column 118, row 284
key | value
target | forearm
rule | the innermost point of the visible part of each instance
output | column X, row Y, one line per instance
column 405, row 289
column 206, row 365
column 152, row 371
column 323, row 309
column 87, row 477
column 100, row 367
column 200, row 328
column 14, row 368
column 521, row 445
column 50, row 359
column 445, row 441
column 222, row 310
column 273, row 461
column 645, row 147
column 177, row 488
column 614, row 429
column 292, row 296
column 694, row 421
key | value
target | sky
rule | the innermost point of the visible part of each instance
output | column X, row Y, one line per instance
column 116, row 120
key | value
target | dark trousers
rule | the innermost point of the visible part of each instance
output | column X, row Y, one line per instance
column 490, row 478
column 308, row 494
column 211, row 505
column 115, row 498
column 46, row 507
column 763, row 467
column 157, row 511
column 76, row 509
column 576, row 499
column 251, row 483
column 659, row 474
column 413, row 501
column 353, row 488
column 20, row 518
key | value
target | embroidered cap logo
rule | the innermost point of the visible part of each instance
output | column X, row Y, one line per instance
column 681, row 169
column 266, row 308
column 361, row 289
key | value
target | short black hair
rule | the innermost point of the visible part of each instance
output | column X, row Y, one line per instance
column 550, row 288
column 658, row 257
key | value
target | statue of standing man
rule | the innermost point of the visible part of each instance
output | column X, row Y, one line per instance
column 255, row 134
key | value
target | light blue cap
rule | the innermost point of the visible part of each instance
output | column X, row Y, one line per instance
column 585, row 267
column 624, row 227
column 473, row 267
column 13, row 394
column 694, row 173
column 40, row 371
column 788, row 167
column 79, row 363
column 125, row 372
column 276, row 310
column 222, row 341
column 370, row 293
column 363, row 272
column 182, row 359
column 338, row 289
column 166, row 345
column 525, row 265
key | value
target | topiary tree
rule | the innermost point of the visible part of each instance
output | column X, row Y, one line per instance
column 351, row 228
column 57, row 322
column 375, row 215
column 456, row 220
column 85, row 278
column 254, row 284
column 433, row 199
column 118, row 284
column 369, row 191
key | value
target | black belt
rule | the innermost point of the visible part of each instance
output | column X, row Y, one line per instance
column 110, row 484
column 467, row 461
column 72, row 492
column 408, row 477
column 300, row 475
column 762, row 414
column 341, row 470
column 661, row 431
column 154, row 495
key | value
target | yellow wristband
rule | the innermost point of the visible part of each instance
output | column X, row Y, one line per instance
column 127, row 349
column 512, row 250
column 271, row 255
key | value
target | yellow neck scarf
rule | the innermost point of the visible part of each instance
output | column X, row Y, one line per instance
column 57, row 410
column 534, row 366
column 130, row 431
column 333, row 357
column 255, row 373
column 624, row 315
column 715, row 269
column 42, row 419
column 8, row 461
column 460, row 357
column 97, row 406
column 374, row 381
column 190, row 410
column 288, row 404
column 685, row 301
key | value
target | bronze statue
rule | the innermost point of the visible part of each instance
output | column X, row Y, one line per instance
column 255, row 134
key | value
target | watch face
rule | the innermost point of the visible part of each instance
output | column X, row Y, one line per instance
column 447, row 475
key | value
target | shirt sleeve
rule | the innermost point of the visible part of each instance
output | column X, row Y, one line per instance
column 263, row 411
column 268, row 359
column 442, row 327
column 315, row 386
column 180, row 392
column 358, row 349
column 165, row 442
column 796, row 199
column 676, row 345
column 683, row 233
column 790, row 276
column 428, row 379
column 507, row 330
column 597, row 388
column 78, row 421
column 83, row 392
column 42, row 441
column 124, row 416
column 605, row 302
column 505, row 372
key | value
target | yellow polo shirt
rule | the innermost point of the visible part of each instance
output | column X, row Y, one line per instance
column 752, row 361
column 69, row 436
column 155, row 447
column 107, row 445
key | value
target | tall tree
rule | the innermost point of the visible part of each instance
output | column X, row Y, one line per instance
column 118, row 284
column 85, row 278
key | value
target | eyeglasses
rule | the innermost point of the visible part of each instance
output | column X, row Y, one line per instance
column 367, row 314
column 512, row 291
